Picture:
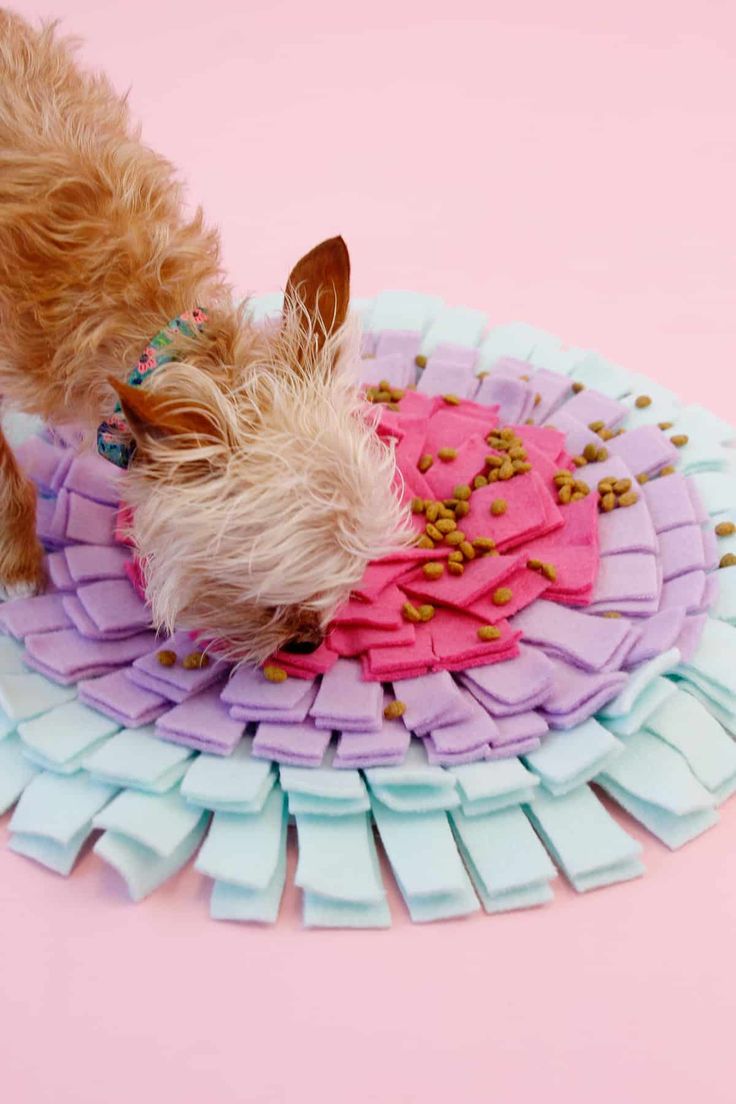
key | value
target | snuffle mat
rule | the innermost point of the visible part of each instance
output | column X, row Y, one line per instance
column 578, row 640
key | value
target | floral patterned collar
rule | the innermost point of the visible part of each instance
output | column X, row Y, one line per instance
column 114, row 439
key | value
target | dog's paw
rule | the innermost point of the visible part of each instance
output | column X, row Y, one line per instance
column 22, row 576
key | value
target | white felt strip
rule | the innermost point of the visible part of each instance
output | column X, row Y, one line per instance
column 686, row 725
column 588, row 845
column 142, row 869
column 338, row 864
column 403, row 310
column 486, row 787
column 137, row 759
column 454, row 326
column 15, row 772
column 231, row 902
column 59, row 806
column 245, row 849
column 567, row 759
column 236, row 783
column 506, row 861
column 426, row 864
column 160, row 822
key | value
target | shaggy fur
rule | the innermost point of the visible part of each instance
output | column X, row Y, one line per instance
column 260, row 488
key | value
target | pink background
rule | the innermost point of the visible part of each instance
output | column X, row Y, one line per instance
column 571, row 164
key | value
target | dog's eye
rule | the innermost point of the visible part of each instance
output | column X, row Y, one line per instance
column 301, row 647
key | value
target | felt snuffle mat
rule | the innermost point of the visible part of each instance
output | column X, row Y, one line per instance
column 565, row 628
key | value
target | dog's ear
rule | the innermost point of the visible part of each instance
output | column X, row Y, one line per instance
column 153, row 416
column 321, row 282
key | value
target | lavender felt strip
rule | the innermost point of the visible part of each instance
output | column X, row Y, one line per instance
column 58, row 571
column 40, row 614
column 84, row 624
column 297, row 744
column 117, row 697
column 177, row 683
column 202, row 722
column 345, row 701
column 114, row 606
column 590, row 642
column 66, row 656
column 507, row 688
column 93, row 477
column 431, row 701
column 89, row 563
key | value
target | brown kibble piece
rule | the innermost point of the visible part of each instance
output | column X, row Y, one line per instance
column 447, row 454
column 410, row 612
column 643, row 401
column 397, row 394
column 549, row 571
column 467, row 550
column 621, row 486
column 668, row 469
column 394, row 710
column 499, row 506
column 606, row 434
column 628, row 499
column 456, row 557
column 581, row 487
column 579, row 461
column 601, row 454
column 578, row 387
column 517, row 453
column 455, row 537
column 425, row 462
column 590, row 452
column 195, row 660
column 537, row 399
column 642, row 478
column 611, row 613
column 725, row 529
column 729, row 560
column 426, row 612
column 275, row 674
column 166, row 658
column 393, row 406
column 534, row 565
column 483, row 544
column 565, row 493
column 433, row 533
column 455, row 568
column 605, row 487
column 451, row 400
column 665, row 425
column 462, row 492
column 608, row 502
column 417, row 505
column 462, row 509
column 506, row 470
column 679, row 439
column 420, row 360
column 432, row 511
column 425, row 542
column 433, row 569
column 445, row 526
column 479, row 481
column 521, row 467
column 489, row 632
column 596, row 427
column 502, row 596
column 494, row 461
column 563, row 476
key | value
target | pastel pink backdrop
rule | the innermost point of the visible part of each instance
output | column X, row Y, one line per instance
column 569, row 164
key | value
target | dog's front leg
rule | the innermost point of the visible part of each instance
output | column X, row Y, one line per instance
column 21, row 555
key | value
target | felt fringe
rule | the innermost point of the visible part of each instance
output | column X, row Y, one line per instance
column 458, row 836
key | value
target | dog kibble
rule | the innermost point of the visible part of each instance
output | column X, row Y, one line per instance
column 195, row 660
column 426, row 612
column 601, row 454
column 621, row 486
column 410, row 613
column 420, row 360
column 608, row 502
column 668, row 469
column 642, row 401
column 628, row 499
column 417, row 505
column 394, row 710
column 590, row 452
column 451, row 400
column 275, row 674
column 447, row 454
column 611, row 613
column 499, row 506
column 456, row 537
column 665, row 425
column 433, row 569
column 456, row 557
column 445, row 526
column 483, row 544
column 462, row 509
column 596, row 427
column 679, row 440
column 579, row 461
column 462, row 492
column 563, row 476
column 433, row 533
column 729, row 560
column 489, row 632
column 534, row 565
column 166, row 658
column 479, row 481
column 564, row 495
column 502, row 596
column 455, row 568
column 494, row 461
column 467, row 550
column 425, row 542
column 425, row 462
column 578, row 387
column 642, row 478
column 549, row 571
column 432, row 511
column 725, row 529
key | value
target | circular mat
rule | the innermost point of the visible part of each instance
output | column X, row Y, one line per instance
column 564, row 627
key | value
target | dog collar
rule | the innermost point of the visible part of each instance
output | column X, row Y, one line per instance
column 115, row 441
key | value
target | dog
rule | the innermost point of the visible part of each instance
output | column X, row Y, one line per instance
column 258, row 486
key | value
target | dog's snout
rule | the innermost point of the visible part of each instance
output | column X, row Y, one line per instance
column 302, row 647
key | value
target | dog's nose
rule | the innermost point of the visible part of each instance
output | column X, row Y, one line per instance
column 302, row 647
